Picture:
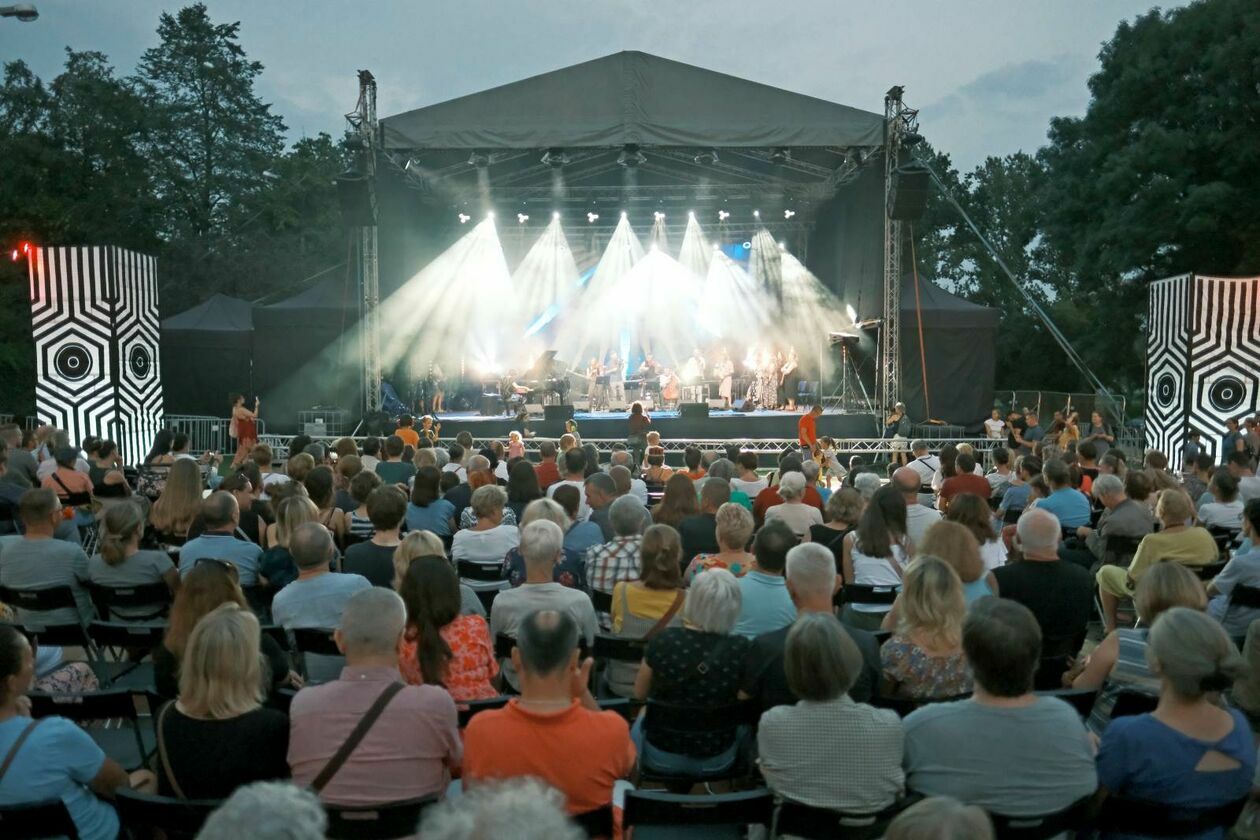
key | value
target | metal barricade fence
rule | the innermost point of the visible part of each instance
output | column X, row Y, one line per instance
column 206, row 433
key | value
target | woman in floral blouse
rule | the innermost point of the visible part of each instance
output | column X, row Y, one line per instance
column 924, row 657
column 734, row 530
column 442, row 646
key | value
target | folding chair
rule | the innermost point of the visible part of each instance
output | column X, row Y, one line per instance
column 1155, row 819
column 1056, row 652
column 37, row 820
column 314, row 640
column 69, row 634
column 116, row 638
column 602, row 601
column 467, row 711
column 1041, row 827
column 154, row 598
column 100, row 707
column 145, row 816
column 376, row 822
column 482, row 573
column 667, row 717
column 682, row 811
column 859, row 593
column 597, row 823
column 1119, row 551
column 797, row 820
column 1208, row 572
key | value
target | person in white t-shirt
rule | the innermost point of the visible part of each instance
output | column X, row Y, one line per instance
column 488, row 542
column 1226, row 508
column 995, row 426
column 574, row 468
column 749, row 481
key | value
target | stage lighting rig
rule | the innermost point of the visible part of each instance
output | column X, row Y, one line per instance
column 464, row 218
column 631, row 157
column 555, row 216
column 911, row 138
column 723, row 215
column 787, row 214
column 479, row 161
column 24, row 12
column 555, row 158
column 658, row 216
column 780, row 156
column 851, row 312
column 522, row 218
column 592, row 218
column 710, row 157
column 756, row 214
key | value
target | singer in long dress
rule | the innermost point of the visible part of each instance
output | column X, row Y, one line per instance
column 725, row 372
column 791, row 378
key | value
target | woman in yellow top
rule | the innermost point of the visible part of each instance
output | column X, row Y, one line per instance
column 1175, row 541
column 644, row 607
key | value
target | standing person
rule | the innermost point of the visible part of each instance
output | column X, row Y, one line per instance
column 636, row 436
column 243, row 427
column 807, row 430
column 790, row 376
column 725, row 372
column 406, row 430
column 897, row 427
column 438, row 383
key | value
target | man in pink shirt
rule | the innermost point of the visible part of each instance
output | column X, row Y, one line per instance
column 409, row 750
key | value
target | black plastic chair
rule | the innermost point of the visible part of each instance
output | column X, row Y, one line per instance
column 503, row 645
column 316, row 640
column 1208, row 572
column 1247, row 597
column 1119, row 551
column 617, row 649
column 1056, row 654
column 277, row 634
column 467, row 711
column 1081, row 699
column 597, row 823
column 680, row 810
column 94, row 708
column 1133, row 703
column 376, row 822
column 116, row 638
column 144, row 815
column 480, row 572
column 858, row 593
column 69, row 634
column 797, row 820
column 1041, row 827
column 693, row 720
column 37, row 820
column 1155, row 819
column 602, row 601
column 154, row 598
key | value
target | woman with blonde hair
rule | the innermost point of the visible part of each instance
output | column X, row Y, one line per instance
column 734, row 530
column 419, row 544
column 180, row 503
column 218, row 735
column 120, row 562
column 276, row 564
column 642, row 608
column 973, row 512
column 1190, row 755
column 924, row 658
column 955, row 544
column 570, row 571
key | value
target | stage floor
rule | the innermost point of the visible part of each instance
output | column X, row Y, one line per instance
column 718, row 426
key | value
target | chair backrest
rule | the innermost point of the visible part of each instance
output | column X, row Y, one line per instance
column 277, row 635
column 1208, row 571
column 1133, row 703
column 597, row 823
column 618, row 649
column 857, row 593
column 1041, row 827
column 503, row 645
column 650, row 807
column 467, row 711
column 316, row 640
column 121, row 634
column 106, row 704
column 154, row 598
column 1245, row 596
column 602, row 601
column 797, row 820
column 1119, row 551
column 29, row 821
column 177, row 818
column 486, row 572
column 1081, row 699
column 39, row 600
column 1155, row 819
column 376, row 822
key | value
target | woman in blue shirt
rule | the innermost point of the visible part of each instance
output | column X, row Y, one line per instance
column 427, row 511
column 52, row 758
column 1190, row 753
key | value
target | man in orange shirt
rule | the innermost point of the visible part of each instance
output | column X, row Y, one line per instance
column 407, row 432
column 554, row 730
column 807, row 429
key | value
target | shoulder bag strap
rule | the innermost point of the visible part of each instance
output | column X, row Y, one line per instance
column 17, row 745
column 162, row 754
column 356, row 737
column 663, row 621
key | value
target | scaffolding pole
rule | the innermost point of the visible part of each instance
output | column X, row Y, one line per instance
column 363, row 125
column 898, row 121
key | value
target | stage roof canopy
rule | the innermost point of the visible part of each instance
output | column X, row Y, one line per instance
column 632, row 97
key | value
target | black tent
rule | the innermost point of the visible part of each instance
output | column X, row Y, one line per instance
column 958, row 345
column 207, row 354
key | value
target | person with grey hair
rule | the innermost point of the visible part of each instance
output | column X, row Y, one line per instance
column 570, row 571
column 698, row 532
column 525, row 809
column 600, row 490
column 488, row 542
column 1193, row 753
column 411, row 740
column 542, row 547
column 1122, row 518
column 617, row 559
column 460, row 496
column 940, row 818
column 267, row 811
column 697, row 665
column 867, row 484
column 797, row 744
column 793, row 512
column 638, row 487
column 1060, row 594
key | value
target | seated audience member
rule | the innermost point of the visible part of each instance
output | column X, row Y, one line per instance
column 53, row 757
column 1069, row 505
column 427, row 544
column 1243, row 569
column 276, row 564
column 642, row 608
column 617, row 559
column 523, row 809
column 1225, row 511
column 522, row 486
column 973, row 514
column 393, row 470
column 1118, row 663
column 698, row 666
column 476, row 480
column 1018, row 495
column 570, row 572
column 734, row 529
column 73, row 487
column 978, row 751
column 957, row 546
column 320, row 484
column 299, row 465
column 865, row 483
column 797, row 745
column 218, row 734
column 765, row 604
column 698, row 532
column 919, row 517
column 656, row 473
column 546, row 470
column 1122, row 517
column 875, row 554
column 412, row 740
column 1190, row 753
column 725, row 470
column 940, row 818
column 840, row 516
column 811, row 581
column 574, row 462
column 180, row 503
column 966, row 481
column 691, row 458
column 678, row 503
column 374, row 559
column 770, row 497
column 1059, row 594
column 348, row 466
column 120, row 562
column 793, row 511
column 489, row 541
column 251, row 524
column 361, row 487
column 554, row 731
column 210, row 584
column 542, row 545
column 37, row 560
column 1175, row 541
column 748, row 480
column 443, row 645
column 219, row 542
column 267, row 811
column 599, row 491
column 923, row 659
column 627, row 482
column 579, row 535
column 1002, row 475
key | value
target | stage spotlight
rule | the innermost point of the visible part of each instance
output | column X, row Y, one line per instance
column 623, row 214
column 490, row 215
column 787, row 214
column 780, row 156
column 555, row 216
column 478, row 160
column 463, row 218
column 631, row 157
column 691, row 214
column 592, row 218
column 24, row 12
column 411, row 162
column 710, row 157
column 723, row 215
column 747, row 245
column 782, row 246
column 522, row 218
column 658, row 216
column 848, row 310
column 911, row 138
column 756, row 214
column 555, row 158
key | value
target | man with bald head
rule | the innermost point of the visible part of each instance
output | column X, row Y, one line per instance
column 221, row 515
column 1060, row 594
column 318, row 596
column 919, row 517
column 623, row 460
column 461, row 494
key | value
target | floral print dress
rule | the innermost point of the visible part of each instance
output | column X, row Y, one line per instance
column 918, row 675
column 472, row 664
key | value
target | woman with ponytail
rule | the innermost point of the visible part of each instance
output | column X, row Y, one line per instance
column 121, row 562
column 441, row 646
column 1191, row 753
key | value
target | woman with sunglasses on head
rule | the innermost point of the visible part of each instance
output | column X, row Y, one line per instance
column 207, row 586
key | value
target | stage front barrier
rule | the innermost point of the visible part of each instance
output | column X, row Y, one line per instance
column 1046, row 403
column 206, row 434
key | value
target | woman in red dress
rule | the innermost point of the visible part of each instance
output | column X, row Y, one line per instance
column 243, row 427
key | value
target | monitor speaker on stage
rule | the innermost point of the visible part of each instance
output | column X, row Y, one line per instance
column 558, row 412
column 911, row 185
column 581, row 405
column 743, row 405
column 490, row 406
column 694, row 410
column 717, row 405
column 534, row 409
column 618, row 405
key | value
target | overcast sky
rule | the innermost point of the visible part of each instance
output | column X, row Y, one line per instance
column 987, row 74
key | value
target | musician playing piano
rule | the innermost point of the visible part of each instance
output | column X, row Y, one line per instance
column 512, row 392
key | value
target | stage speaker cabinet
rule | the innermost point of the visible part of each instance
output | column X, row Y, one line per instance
column 717, row 405
column 647, row 404
column 582, row 405
column 694, row 410
column 618, row 405
column 911, row 185
column 534, row 409
column 743, row 405
column 490, row 406
column 558, row 412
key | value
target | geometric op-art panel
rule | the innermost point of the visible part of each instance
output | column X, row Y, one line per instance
column 1203, row 359
column 94, row 316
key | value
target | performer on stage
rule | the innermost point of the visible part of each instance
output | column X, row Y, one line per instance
column 616, row 378
column 669, row 388
column 596, row 385
column 636, row 438
column 790, row 377
column 767, row 380
column 244, row 427
column 437, row 387
column 725, row 371
column 649, row 374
